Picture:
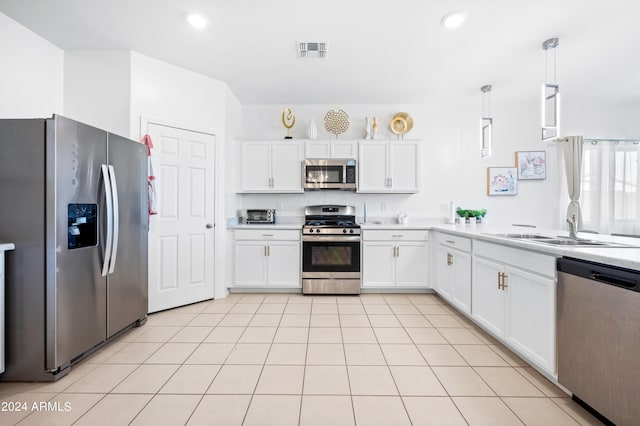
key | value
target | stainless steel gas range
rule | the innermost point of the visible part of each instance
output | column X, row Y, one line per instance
column 330, row 250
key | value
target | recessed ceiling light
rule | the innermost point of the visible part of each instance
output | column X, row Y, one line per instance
column 197, row 20
column 453, row 19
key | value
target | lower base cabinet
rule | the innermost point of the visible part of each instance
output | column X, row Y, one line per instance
column 395, row 259
column 453, row 270
column 514, row 298
column 267, row 259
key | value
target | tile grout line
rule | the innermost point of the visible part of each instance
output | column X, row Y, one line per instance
column 156, row 393
column 438, row 378
column 346, row 365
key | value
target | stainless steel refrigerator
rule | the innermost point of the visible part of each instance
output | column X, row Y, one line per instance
column 73, row 200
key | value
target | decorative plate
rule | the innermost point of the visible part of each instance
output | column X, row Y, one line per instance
column 336, row 122
column 401, row 123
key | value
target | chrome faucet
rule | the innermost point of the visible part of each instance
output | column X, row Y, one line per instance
column 573, row 226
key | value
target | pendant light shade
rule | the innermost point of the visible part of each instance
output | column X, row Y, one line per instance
column 550, row 99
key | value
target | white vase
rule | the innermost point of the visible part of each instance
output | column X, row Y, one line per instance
column 374, row 128
column 367, row 128
column 312, row 130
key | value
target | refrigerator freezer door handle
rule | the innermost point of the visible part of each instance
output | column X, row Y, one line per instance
column 116, row 219
column 109, row 215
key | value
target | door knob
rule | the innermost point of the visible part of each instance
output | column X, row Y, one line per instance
column 209, row 225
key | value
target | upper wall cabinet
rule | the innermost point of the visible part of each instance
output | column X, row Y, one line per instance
column 331, row 149
column 389, row 166
column 271, row 167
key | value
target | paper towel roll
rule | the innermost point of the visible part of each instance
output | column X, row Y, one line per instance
column 452, row 213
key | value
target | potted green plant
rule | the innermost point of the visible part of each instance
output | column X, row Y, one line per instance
column 479, row 214
column 464, row 214
column 471, row 216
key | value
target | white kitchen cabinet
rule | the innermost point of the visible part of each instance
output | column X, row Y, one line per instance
column 274, row 167
column 453, row 270
column 488, row 297
column 267, row 258
column 395, row 258
column 514, row 299
column 378, row 264
column 283, row 264
column 412, row 260
column 388, row 166
column 331, row 149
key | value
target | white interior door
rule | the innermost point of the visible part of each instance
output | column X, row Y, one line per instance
column 181, row 235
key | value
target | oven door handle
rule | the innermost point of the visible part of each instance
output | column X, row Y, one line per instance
column 332, row 238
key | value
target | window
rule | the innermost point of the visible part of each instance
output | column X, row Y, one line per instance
column 610, row 198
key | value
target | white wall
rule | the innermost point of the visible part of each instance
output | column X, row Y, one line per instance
column 97, row 88
column 31, row 73
column 231, row 199
column 167, row 92
column 172, row 95
column 452, row 169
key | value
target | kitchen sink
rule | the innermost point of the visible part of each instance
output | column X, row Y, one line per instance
column 562, row 241
column 577, row 243
column 527, row 236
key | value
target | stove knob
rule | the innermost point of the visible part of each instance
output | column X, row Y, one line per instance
column 344, row 231
column 351, row 231
column 317, row 231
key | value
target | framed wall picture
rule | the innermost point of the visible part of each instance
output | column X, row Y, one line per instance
column 502, row 181
column 531, row 165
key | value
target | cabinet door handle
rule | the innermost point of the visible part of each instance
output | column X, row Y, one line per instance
column 265, row 250
column 398, row 250
column 390, row 182
column 268, row 250
column 501, row 281
column 273, row 182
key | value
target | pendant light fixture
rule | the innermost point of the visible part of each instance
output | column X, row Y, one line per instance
column 550, row 94
column 486, row 123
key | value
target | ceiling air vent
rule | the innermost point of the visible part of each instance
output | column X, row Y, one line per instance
column 312, row 50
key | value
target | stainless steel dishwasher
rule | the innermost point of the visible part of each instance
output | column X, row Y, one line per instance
column 599, row 337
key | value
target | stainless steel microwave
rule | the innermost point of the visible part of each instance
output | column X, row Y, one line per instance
column 331, row 173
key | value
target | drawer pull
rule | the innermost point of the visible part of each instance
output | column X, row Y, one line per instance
column 267, row 235
column 450, row 241
column 397, row 236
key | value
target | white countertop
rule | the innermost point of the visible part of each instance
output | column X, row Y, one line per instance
column 6, row 246
column 625, row 257
column 281, row 223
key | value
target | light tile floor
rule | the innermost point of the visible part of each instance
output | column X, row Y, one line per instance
column 277, row 359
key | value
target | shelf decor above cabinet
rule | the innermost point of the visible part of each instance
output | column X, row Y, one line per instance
column 336, row 122
column 401, row 123
column 288, row 121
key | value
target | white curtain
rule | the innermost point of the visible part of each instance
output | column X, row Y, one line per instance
column 573, row 167
column 610, row 183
